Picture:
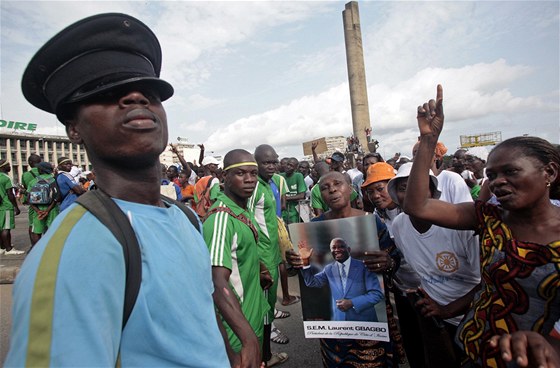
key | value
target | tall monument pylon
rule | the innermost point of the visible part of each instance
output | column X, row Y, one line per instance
column 357, row 76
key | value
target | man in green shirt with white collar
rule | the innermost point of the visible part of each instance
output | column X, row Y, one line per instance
column 232, row 236
column 263, row 205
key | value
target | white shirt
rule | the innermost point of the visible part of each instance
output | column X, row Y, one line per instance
column 446, row 260
column 353, row 173
column 192, row 178
column 453, row 187
column 308, row 184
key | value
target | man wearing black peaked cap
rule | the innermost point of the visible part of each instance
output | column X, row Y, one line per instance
column 100, row 76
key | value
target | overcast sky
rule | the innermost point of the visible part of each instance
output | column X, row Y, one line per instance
column 274, row 72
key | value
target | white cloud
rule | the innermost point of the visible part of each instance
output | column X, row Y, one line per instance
column 196, row 29
column 198, row 126
column 274, row 72
column 470, row 92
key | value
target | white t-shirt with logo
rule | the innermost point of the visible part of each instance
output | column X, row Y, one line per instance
column 446, row 260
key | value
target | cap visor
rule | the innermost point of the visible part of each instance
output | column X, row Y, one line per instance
column 164, row 89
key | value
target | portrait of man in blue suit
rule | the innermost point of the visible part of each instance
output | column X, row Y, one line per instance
column 354, row 289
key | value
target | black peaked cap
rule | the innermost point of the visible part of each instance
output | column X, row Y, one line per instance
column 91, row 56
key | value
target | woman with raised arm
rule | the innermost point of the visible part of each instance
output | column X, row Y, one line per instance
column 513, row 316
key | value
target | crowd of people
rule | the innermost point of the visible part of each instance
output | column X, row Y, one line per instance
column 46, row 190
column 469, row 254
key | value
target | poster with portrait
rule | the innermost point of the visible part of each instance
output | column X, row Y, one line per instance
column 342, row 302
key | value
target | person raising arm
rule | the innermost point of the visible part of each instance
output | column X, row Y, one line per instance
column 512, row 317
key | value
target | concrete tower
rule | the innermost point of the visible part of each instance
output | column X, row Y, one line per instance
column 356, row 74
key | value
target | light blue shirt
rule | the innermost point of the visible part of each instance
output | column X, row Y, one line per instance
column 173, row 322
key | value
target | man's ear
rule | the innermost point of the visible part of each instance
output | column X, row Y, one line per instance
column 73, row 133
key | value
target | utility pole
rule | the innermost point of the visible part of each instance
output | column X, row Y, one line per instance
column 357, row 76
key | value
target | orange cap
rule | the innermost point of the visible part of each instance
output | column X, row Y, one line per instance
column 378, row 172
column 440, row 150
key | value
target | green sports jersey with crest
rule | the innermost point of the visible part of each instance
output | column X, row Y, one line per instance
column 263, row 206
column 232, row 245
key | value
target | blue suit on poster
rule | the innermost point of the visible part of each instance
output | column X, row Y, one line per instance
column 362, row 288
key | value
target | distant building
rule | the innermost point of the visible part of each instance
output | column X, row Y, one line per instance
column 191, row 153
column 16, row 148
column 326, row 149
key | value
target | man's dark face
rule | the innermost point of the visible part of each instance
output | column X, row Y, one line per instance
column 283, row 163
column 303, row 168
column 66, row 167
column 172, row 172
column 183, row 178
column 314, row 175
column 360, row 165
column 339, row 250
column 475, row 164
column 336, row 165
column 291, row 167
column 458, row 161
column 240, row 182
column 125, row 126
column 367, row 162
column 212, row 168
column 267, row 162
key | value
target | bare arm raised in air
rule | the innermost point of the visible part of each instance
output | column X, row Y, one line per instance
column 417, row 201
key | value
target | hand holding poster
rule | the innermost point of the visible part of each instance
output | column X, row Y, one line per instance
column 341, row 298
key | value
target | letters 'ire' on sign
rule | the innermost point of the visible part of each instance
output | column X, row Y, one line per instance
column 17, row 125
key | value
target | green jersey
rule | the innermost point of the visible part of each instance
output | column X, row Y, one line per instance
column 232, row 245
column 263, row 206
column 6, row 185
column 296, row 185
column 28, row 176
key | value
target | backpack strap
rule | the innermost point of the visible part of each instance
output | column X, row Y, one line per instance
column 109, row 214
column 241, row 217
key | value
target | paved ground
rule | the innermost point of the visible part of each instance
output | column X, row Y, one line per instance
column 20, row 239
column 302, row 352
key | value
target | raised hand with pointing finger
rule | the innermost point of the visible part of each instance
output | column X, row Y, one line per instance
column 430, row 115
